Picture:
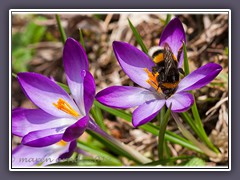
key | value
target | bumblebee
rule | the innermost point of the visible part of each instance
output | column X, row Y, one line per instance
column 166, row 68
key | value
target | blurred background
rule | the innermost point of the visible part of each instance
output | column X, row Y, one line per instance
column 37, row 47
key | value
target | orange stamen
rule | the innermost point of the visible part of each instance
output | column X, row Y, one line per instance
column 65, row 107
column 152, row 80
column 61, row 143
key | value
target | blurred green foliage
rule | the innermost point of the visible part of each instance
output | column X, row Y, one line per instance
column 21, row 53
column 196, row 162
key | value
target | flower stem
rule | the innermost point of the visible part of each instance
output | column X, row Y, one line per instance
column 162, row 130
column 190, row 137
column 122, row 148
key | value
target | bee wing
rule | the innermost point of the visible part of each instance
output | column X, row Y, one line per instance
column 169, row 62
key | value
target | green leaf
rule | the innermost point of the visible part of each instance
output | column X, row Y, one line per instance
column 81, row 39
column 62, row 32
column 64, row 86
column 33, row 33
column 21, row 58
column 21, row 54
column 226, row 51
column 203, row 136
column 101, row 157
column 196, row 162
column 168, row 18
column 98, row 117
column 186, row 65
column 138, row 37
column 14, row 75
column 190, row 122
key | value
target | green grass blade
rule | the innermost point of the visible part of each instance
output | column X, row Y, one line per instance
column 98, row 117
column 64, row 86
column 103, row 158
column 168, row 18
column 185, row 57
column 138, row 37
column 81, row 39
column 191, row 123
column 201, row 129
column 14, row 75
column 62, row 32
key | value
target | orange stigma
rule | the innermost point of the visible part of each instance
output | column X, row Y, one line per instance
column 61, row 143
column 65, row 107
column 152, row 80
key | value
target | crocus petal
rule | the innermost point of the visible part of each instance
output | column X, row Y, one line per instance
column 174, row 35
column 89, row 91
column 43, row 137
column 26, row 156
column 200, row 77
column 43, row 92
column 181, row 101
column 63, row 151
column 133, row 61
column 124, row 96
column 75, row 61
column 70, row 151
column 27, row 120
column 146, row 112
column 76, row 130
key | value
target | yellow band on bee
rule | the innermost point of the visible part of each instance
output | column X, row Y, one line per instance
column 170, row 85
column 158, row 58
column 174, row 57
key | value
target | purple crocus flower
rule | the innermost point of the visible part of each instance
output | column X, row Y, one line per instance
column 26, row 156
column 59, row 116
column 138, row 66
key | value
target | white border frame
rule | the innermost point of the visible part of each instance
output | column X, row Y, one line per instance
column 119, row 11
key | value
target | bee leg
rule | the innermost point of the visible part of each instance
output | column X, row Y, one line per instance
column 159, row 85
column 154, row 70
column 181, row 71
column 179, row 52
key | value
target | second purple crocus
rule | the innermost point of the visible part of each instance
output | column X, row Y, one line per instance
column 147, row 98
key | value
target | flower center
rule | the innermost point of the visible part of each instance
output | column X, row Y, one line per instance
column 61, row 143
column 65, row 107
column 153, row 80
